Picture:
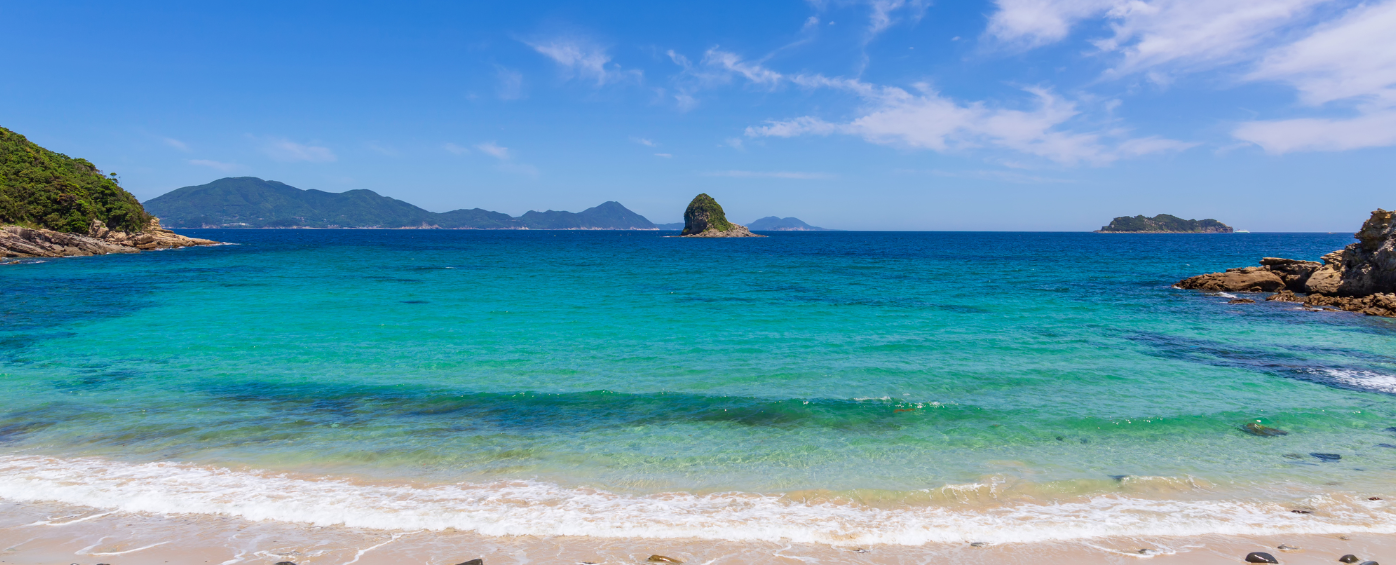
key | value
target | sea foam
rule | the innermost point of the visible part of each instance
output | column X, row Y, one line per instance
column 535, row 508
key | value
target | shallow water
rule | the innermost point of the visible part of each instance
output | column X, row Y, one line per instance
column 541, row 382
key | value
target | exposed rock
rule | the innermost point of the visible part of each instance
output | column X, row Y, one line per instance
column 1262, row 431
column 1358, row 278
column 1240, row 301
column 1247, row 279
column 16, row 241
column 662, row 559
column 1260, row 557
column 705, row 218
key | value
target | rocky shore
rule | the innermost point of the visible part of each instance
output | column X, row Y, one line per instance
column 20, row 242
column 705, row 218
column 1358, row 278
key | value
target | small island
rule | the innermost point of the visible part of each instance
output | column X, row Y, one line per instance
column 705, row 218
column 1164, row 223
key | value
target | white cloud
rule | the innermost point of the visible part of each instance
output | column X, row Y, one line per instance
column 175, row 143
column 771, row 175
column 884, row 13
column 664, row 155
column 225, row 167
column 1375, row 129
column 931, row 121
column 644, row 141
column 587, row 60
column 1352, row 57
column 1151, row 33
column 733, row 63
column 510, row 85
column 494, row 150
column 290, row 151
column 455, row 149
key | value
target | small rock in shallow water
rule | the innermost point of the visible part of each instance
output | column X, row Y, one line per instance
column 1327, row 457
column 1349, row 558
column 1285, row 547
column 1262, row 431
column 1147, row 552
column 474, row 562
column 1374, row 498
column 662, row 559
column 1302, row 511
column 979, row 544
column 1240, row 301
column 1260, row 557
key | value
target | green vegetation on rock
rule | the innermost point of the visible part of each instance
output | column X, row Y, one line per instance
column 255, row 203
column 703, row 214
column 43, row 189
column 1164, row 223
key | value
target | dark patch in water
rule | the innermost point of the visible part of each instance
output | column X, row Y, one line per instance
column 1327, row 457
column 415, row 302
column 1285, row 363
column 1386, row 445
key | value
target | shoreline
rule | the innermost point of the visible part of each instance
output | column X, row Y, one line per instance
column 53, row 533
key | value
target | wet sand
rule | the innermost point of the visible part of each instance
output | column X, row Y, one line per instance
column 52, row 533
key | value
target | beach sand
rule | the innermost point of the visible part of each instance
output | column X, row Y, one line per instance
column 59, row 534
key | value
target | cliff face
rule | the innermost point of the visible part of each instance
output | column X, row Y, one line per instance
column 705, row 218
column 1360, row 277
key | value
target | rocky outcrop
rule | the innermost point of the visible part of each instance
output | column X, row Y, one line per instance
column 705, row 218
column 1358, row 278
column 17, row 241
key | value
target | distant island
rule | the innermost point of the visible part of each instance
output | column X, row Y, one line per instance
column 768, row 223
column 773, row 223
column 250, row 202
column 1163, row 223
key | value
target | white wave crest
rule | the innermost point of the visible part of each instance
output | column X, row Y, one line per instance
column 534, row 508
column 1369, row 380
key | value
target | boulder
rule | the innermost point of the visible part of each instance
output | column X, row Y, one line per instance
column 1285, row 295
column 1247, row 279
column 1260, row 557
column 705, row 218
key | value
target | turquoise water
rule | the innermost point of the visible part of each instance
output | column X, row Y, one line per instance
column 873, row 367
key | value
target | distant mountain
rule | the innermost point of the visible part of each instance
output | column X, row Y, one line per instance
column 678, row 226
column 1163, row 223
column 772, row 223
column 249, row 202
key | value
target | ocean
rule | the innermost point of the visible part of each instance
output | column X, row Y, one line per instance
column 842, row 388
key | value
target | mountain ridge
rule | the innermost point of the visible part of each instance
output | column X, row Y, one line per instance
column 251, row 202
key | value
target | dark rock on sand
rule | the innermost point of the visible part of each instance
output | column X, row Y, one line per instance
column 1358, row 278
column 662, row 559
column 1260, row 557
column 1369, row 563
column 1262, row 431
column 705, row 218
column 1349, row 558
column 285, row 563
column 1327, row 457
column 474, row 562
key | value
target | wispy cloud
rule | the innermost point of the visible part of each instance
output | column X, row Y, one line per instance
column 931, row 121
column 1001, row 176
column 584, row 59
column 381, row 149
column 455, row 149
column 221, row 166
column 494, row 150
column 175, row 143
column 664, row 155
column 510, row 86
column 1372, row 129
column 885, row 13
column 735, row 143
column 770, row 175
column 644, row 141
column 289, row 151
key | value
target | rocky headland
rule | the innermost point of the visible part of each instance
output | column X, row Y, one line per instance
column 21, row 242
column 705, row 218
column 1358, row 278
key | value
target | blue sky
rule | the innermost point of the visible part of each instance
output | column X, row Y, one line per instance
column 1270, row 115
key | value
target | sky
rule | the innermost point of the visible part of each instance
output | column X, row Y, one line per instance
column 1057, row 115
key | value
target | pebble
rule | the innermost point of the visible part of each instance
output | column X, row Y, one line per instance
column 1147, row 552
column 1302, row 511
column 1368, row 563
column 1284, row 547
column 662, row 559
column 1349, row 558
column 979, row 544
column 474, row 562
column 1260, row 557
column 1374, row 498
